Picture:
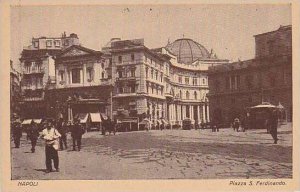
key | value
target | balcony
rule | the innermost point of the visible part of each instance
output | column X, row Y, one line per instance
column 31, row 87
column 130, row 62
column 34, row 71
column 126, row 78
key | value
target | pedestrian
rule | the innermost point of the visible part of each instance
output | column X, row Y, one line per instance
column 62, row 128
column 33, row 132
column 236, row 124
column 17, row 132
column 274, row 125
column 76, row 133
column 202, row 125
column 51, row 136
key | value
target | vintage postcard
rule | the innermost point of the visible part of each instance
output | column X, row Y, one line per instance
column 151, row 96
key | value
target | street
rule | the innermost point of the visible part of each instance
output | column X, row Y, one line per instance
column 167, row 154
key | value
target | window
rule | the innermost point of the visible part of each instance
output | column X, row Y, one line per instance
column 161, row 77
column 249, row 81
column 28, row 67
column 152, row 74
column 132, row 88
column 132, row 72
column 147, row 70
column 120, row 59
column 187, row 79
column 132, row 57
column 195, row 95
column 238, row 81
column 66, row 43
column 187, row 95
column 120, row 74
column 272, row 79
column 36, row 44
column 203, row 81
column 233, row 82
column 102, row 65
column 76, row 75
column 179, row 79
column 90, row 74
column 103, row 75
column 120, row 90
column 61, row 75
column 57, row 43
column 156, row 75
column 194, row 81
column 49, row 43
column 180, row 94
column 227, row 82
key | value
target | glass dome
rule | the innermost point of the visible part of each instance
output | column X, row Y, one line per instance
column 187, row 50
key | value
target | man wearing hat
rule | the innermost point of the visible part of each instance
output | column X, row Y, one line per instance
column 76, row 133
column 17, row 132
column 51, row 136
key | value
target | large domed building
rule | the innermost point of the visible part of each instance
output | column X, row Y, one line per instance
column 187, row 83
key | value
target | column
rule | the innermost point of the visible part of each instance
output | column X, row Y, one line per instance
column 230, row 83
column 176, row 112
column 70, row 75
column 81, row 76
column 67, row 76
column 198, row 113
column 56, row 77
column 84, row 74
column 207, row 109
column 203, row 113
column 193, row 111
column 184, row 112
column 235, row 82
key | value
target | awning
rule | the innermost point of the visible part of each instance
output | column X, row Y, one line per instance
column 104, row 116
column 95, row 117
column 83, row 117
column 26, row 121
column 37, row 121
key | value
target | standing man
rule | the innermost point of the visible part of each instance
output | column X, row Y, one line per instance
column 76, row 134
column 62, row 128
column 273, row 125
column 17, row 132
column 33, row 133
column 50, row 135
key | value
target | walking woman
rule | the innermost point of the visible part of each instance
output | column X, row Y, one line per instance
column 51, row 135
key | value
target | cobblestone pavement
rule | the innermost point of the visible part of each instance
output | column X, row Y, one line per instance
column 167, row 154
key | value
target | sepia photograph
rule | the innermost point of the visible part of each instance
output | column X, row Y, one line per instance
column 151, row 92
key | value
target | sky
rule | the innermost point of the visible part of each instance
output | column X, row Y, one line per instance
column 227, row 29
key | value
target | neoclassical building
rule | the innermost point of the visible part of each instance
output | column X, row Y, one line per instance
column 168, row 83
column 267, row 77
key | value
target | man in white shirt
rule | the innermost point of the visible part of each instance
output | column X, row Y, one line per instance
column 51, row 135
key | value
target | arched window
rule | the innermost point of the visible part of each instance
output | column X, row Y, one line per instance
column 195, row 95
column 187, row 95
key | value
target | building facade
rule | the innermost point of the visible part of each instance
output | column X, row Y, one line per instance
column 15, row 90
column 82, row 83
column 38, row 72
column 266, row 78
column 167, row 83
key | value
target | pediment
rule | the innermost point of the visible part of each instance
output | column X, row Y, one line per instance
column 74, row 52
